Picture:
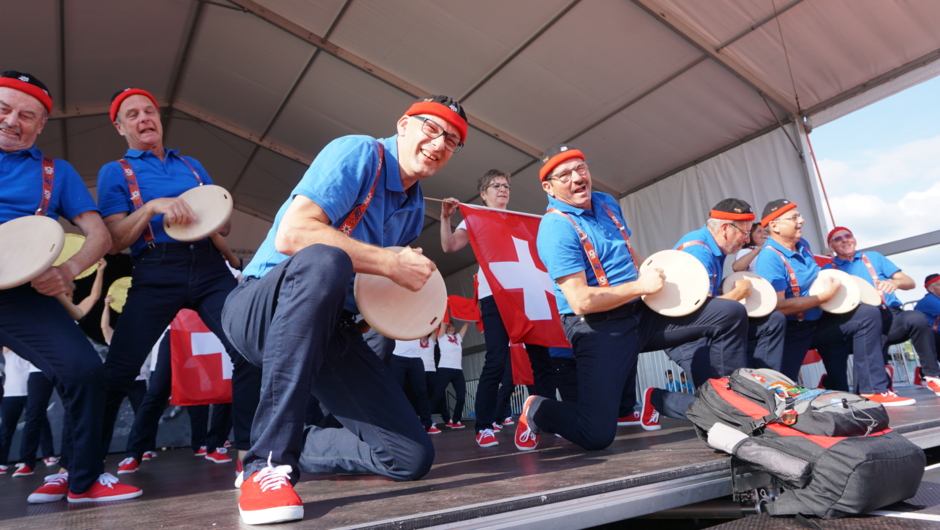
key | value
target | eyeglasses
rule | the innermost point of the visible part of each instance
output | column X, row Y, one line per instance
column 432, row 130
column 739, row 229
column 793, row 218
column 500, row 186
column 565, row 176
column 840, row 238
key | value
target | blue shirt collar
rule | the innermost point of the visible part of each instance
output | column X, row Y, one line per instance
column 134, row 153
column 569, row 209
column 786, row 252
column 841, row 262
column 712, row 244
column 33, row 152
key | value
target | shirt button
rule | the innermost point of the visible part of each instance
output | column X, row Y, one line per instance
column 191, row 247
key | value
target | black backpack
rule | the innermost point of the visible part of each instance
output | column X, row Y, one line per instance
column 832, row 450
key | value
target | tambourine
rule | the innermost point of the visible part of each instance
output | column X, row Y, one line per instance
column 686, row 287
column 846, row 298
column 762, row 300
column 73, row 243
column 867, row 292
column 118, row 291
column 32, row 244
column 396, row 312
column 212, row 205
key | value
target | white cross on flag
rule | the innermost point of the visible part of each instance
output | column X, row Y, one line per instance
column 504, row 244
column 202, row 370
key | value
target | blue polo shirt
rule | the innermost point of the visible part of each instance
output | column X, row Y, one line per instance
column 338, row 180
column 771, row 268
column 562, row 253
column 156, row 179
column 21, row 187
column 884, row 268
column 929, row 305
column 709, row 255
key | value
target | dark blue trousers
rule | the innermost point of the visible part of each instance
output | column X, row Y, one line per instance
column 221, row 424
column 39, row 330
column 410, row 370
column 606, row 346
column 36, row 431
column 899, row 326
column 11, row 408
column 293, row 324
column 165, row 279
column 454, row 377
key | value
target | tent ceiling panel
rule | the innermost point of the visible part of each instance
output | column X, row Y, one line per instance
column 563, row 85
column 442, row 47
column 31, row 31
column 267, row 182
column 103, row 54
column 722, row 25
column 93, row 141
column 242, row 79
column 315, row 16
column 693, row 115
column 334, row 99
column 50, row 140
column 221, row 153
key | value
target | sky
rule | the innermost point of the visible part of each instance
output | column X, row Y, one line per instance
column 881, row 169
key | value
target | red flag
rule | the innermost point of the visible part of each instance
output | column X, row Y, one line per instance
column 521, row 366
column 504, row 244
column 202, row 370
column 463, row 308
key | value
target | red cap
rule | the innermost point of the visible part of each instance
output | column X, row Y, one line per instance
column 28, row 88
column 834, row 230
column 931, row 279
column 441, row 111
column 555, row 156
column 126, row 93
column 775, row 209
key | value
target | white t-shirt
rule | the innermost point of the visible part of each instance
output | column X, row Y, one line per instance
column 451, row 351
column 415, row 349
column 483, row 289
column 17, row 375
column 744, row 252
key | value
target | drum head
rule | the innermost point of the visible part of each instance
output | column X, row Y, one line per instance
column 686, row 286
column 847, row 297
column 118, row 291
column 396, row 312
column 212, row 206
column 867, row 292
column 73, row 243
column 31, row 244
column 762, row 300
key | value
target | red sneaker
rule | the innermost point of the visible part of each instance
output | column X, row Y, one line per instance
column 486, row 438
column 889, row 399
column 933, row 383
column 458, row 425
column 106, row 488
column 128, row 465
column 3, row 470
column 449, row 424
column 433, row 429
column 526, row 440
column 649, row 417
column 496, row 428
column 54, row 488
column 50, row 461
column 218, row 456
column 227, row 444
column 22, row 470
column 508, row 421
column 633, row 419
column 201, row 451
column 918, row 377
column 268, row 497
column 148, row 456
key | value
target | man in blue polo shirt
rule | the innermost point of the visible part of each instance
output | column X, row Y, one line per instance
column 929, row 305
column 725, row 231
column 897, row 325
column 32, row 322
column 294, row 314
column 136, row 194
column 787, row 262
column 583, row 240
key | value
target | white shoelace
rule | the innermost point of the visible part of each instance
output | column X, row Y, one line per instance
column 527, row 435
column 220, row 450
column 272, row 478
column 127, row 460
column 58, row 477
column 654, row 417
column 107, row 479
column 484, row 432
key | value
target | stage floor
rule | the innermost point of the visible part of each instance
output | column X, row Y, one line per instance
column 559, row 484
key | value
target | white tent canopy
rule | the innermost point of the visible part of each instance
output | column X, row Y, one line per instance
column 650, row 90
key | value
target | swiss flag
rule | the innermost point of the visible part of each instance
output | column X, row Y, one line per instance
column 504, row 244
column 521, row 365
column 202, row 370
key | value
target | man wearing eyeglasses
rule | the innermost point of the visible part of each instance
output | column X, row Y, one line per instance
column 294, row 314
column 583, row 241
column 787, row 262
column 897, row 325
column 725, row 231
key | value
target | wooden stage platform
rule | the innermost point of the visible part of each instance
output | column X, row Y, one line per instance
column 556, row 486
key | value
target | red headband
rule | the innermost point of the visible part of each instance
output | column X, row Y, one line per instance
column 27, row 88
column 441, row 111
column 558, row 159
column 834, row 230
column 728, row 216
column 116, row 104
column 932, row 280
column 773, row 215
